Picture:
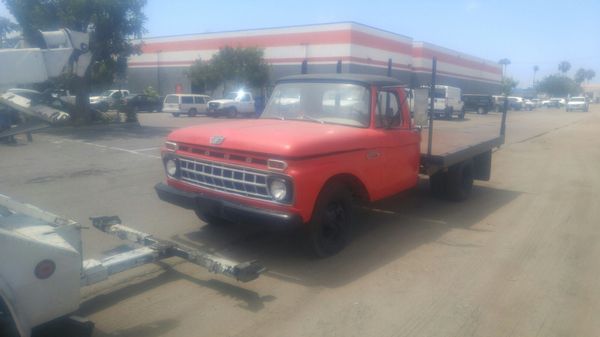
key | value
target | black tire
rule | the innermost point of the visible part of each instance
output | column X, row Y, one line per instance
column 437, row 184
column 461, row 116
column 330, row 224
column 193, row 112
column 175, row 114
column 210, row 219
column 8, row 327
column 448, row 113
column 459, row 181
column 232, row 112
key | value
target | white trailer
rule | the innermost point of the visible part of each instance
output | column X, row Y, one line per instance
column 42, row 270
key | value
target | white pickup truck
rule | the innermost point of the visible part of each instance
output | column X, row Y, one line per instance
column 234, row 104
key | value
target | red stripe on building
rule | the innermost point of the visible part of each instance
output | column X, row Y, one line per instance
column 447, row 58
column 263, row 41
column 382, row 43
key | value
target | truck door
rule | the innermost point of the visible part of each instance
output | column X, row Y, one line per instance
column 400, row 145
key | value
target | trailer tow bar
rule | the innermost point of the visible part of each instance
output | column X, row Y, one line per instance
column 155, row 249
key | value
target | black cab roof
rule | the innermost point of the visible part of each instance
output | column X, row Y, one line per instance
column 364, row 79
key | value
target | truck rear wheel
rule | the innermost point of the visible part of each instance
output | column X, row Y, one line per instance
column 330, row 224
column 459, row 181
column 437, row 184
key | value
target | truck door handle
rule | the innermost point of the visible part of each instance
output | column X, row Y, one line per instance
column 373, row 154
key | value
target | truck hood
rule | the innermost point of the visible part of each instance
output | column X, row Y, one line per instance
column 285, row 139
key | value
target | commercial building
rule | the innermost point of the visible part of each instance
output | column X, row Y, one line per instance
column 165, row 61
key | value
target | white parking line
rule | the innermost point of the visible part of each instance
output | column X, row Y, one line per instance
column 147, row 149
column 114, row 148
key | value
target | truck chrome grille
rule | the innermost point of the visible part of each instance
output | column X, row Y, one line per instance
column 219, row 177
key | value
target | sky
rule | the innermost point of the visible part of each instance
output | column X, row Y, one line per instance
column 528, row 33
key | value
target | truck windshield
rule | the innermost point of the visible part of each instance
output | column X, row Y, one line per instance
column 333, row 103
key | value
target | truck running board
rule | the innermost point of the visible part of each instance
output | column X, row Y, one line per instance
column 155, row 249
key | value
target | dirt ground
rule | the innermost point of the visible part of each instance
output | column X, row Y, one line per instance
column 519, row 258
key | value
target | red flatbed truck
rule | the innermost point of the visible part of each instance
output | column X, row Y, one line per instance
column 323, row 142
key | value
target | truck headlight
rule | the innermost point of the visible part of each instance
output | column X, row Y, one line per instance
column 171, row 167
column 280, row 189
column 171, row 146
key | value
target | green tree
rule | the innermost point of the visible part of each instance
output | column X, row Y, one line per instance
column 232, row 68
column 111, row 25
column 564, row 67
column 558, row 86
column 508, row 84
column 6, row 27
column 580, row 76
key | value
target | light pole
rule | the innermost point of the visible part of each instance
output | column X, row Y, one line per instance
column 158, row 72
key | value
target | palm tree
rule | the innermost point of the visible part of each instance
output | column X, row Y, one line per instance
column 564, row 67
column 589, row 74
column 504, row 62
column 535, row 70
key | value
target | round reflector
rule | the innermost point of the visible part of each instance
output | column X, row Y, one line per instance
column 44, row 269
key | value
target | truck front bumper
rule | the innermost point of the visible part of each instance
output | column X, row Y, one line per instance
column 227, row 210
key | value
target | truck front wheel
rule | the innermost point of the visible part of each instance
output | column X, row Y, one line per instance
column 330, row 224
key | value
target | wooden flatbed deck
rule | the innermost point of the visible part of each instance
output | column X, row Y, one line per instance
column 454, row 142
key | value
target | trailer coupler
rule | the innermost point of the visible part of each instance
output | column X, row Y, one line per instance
column 155, row 249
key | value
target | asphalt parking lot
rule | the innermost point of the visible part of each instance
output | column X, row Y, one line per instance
column 519, row 258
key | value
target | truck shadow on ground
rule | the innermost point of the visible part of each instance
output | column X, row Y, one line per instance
column 384, row 232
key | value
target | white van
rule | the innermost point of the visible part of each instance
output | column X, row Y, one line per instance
column 185, row 104
column 448, row 102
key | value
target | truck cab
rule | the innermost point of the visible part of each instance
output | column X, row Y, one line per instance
column 321, row 142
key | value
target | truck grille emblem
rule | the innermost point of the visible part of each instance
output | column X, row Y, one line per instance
column 217, row 140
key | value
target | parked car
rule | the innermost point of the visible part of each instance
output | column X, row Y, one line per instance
column 578, row 103
column 142, row 102
column 447, row 102
column 482, row 104
column 554, row 103
column 186, row 104
column 234, row 104
column 108, row 99
column 528, row 105
column 515, row 103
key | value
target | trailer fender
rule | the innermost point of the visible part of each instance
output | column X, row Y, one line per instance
column 8, row 298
